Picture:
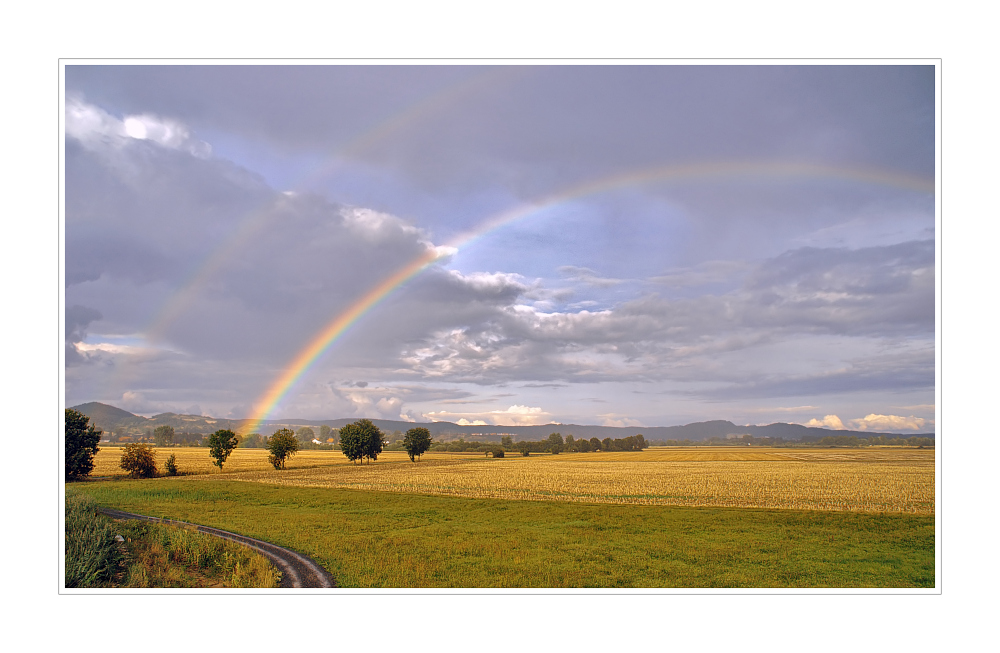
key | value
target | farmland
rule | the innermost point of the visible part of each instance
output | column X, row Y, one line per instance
column 695, row 517
column 857, row 480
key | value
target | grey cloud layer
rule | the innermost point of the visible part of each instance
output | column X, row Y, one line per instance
column 709, row 289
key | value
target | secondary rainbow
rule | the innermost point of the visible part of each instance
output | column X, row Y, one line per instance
column 327, row 336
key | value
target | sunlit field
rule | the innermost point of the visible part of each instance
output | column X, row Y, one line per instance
column 857, row 480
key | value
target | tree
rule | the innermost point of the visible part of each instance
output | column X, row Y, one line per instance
column 138, row 460
column 324, row 432
column 524, row 448
column 164, row 435
column 221, row 444
column 506, row 442
column 416, row 442
column 570, row 443
column 305, row 434
column 554, row 443
column 595, row 444
column 81, row 444
column 171, row 466
column 360, row 440
column 582, row 445
column 281, row 445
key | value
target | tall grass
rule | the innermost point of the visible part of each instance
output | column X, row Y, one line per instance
column 155, row 555
column 92, row 555
column 171, row 556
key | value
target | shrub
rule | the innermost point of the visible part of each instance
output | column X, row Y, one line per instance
column 139, row 460
column 171, row 466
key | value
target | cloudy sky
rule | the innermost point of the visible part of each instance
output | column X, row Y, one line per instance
column 618, row 245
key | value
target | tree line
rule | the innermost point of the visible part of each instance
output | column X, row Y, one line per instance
column 359, row 441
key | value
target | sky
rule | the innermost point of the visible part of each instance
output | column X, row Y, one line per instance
column 626, row 245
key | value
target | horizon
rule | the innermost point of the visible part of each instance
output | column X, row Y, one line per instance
column 294, row 420
column 504, row 245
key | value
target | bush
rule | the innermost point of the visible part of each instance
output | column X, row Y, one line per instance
column 139, row 460
column 498, row 452
column 171, row 466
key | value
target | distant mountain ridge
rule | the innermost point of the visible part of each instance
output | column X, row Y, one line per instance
column 122, row 422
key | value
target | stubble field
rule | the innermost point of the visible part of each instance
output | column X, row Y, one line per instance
column 856, row 480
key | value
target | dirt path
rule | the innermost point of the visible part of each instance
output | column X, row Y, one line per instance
column 297, row 570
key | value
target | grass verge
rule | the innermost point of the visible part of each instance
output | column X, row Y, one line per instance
column 153, row 555
column 383, row 539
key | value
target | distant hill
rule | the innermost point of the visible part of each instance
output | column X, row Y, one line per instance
column 108, row 418
column 122, row 422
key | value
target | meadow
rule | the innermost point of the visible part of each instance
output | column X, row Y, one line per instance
column 397, row 540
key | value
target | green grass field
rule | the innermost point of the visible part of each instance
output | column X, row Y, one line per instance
column 395, row 540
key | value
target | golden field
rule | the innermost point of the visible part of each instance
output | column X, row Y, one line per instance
column 860, row 480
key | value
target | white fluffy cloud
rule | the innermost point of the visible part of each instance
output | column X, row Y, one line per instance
column 514, row 416
column 92, row 126
column 830, row 422
column 875, row 422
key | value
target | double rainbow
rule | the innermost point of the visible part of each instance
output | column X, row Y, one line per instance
column 299, row 366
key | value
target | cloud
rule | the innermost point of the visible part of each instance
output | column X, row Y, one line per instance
column 875, row 422
column 587, row 276
column 94, row 127
column 78, row 318
column 516, row 415
column 706, row 273
column 613, row 419
column 830, row 422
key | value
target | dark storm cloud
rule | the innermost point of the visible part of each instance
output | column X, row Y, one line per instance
column 78, row 318
column 142, row 212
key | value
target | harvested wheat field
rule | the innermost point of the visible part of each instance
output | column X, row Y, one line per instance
column 859, row 480
column 869, row 480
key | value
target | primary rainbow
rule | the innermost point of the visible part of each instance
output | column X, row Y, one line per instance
column 250, row 225
column 327, row 336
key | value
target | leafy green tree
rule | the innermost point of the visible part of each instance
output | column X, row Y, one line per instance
column 324, row 432
column 281, row 445
column 570, row 443
column 138, row 460
column 81, row 444
column 582, row 445
column 253, row 441
column 607, row 445
column 171, row 466
column 524, row 447
column 417, row 441
column 220, row 445
column 595, row 444
column 305, row 434
column 164, row 435
column 360, row 440
column 506, row 442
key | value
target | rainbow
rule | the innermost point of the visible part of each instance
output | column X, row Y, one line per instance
column 250, row 225
column 329, row 334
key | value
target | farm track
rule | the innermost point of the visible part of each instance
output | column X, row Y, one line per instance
column 297, row 570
